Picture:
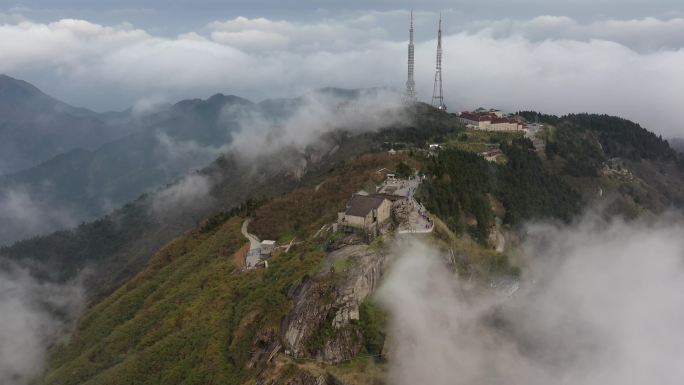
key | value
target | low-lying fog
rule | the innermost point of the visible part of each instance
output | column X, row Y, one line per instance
column 599, row 304
column 33, row 314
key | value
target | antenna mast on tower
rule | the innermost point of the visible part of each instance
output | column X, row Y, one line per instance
column 410, row 94
column 438, row 92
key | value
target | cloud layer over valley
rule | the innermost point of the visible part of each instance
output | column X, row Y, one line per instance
column 306, row 120
column 32, row 315
column 554, row 64
column 26, row 213
column 598, row 304
column 297, row 131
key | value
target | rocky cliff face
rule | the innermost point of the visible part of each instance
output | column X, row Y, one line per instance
column 301, row 377
column 323, row 323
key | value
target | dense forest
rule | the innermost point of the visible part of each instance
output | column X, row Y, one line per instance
column 616, row 137
column 429, row 126
column 460, row 184
column 529, row 191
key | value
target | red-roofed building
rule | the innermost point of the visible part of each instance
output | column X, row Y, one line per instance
column 492, row 120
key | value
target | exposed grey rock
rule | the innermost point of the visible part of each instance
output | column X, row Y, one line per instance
column 327, row 306
column 264, row 348
column 303, row 378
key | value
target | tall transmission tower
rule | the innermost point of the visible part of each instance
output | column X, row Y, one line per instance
column 438, row 91
column 410, row 94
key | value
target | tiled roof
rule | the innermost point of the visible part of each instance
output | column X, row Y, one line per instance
column 360, row 206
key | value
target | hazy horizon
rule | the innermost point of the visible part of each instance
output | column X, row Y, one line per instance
column 621, row 60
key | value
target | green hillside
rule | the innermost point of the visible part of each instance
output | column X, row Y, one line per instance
column 189, row 318
column 193, row 316
column 118, row 246
column 463, row 184
column 588, row 151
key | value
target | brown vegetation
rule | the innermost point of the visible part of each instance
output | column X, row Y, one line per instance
column 305, row 210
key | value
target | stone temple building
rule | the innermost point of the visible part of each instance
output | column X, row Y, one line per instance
column 366, row 212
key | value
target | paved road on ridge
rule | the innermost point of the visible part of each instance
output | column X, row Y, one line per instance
column 253, row 256
column 254, row 242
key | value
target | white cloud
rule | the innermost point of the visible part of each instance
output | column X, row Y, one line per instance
column 630, row 68
column 12, row 18
column 172, row 154
column 326, row 35
column 190, row 191
column 25, row 213
column 251, row 39
column 644, row 35
column 149, row 105
column 315, row 115
column 32, row 315
column 598, row 304
column 65, row 45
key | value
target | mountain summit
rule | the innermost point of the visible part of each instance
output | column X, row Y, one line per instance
column 35, row 127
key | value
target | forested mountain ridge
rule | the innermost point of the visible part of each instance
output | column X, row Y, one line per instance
column 170, row 301
column 194, row 315
column 153, row 149
column 615, row 158
column 577, row 162
column 86, row 184
column 618, row 137
column 119, row 244
column 124, row 240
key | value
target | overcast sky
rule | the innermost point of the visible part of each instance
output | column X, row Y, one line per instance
column 621, row 57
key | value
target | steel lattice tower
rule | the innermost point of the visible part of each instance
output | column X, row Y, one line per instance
column 410, row 94
column 438, row 92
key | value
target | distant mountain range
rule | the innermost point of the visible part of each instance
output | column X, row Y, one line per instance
column 77, row 165
column 34, row 127
column 90, row 179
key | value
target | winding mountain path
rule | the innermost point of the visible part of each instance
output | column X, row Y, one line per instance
column 254, row 253
column 254, row 242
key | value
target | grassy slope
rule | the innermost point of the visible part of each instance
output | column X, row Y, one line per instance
column 191, row 316
column 119, row 245
column 307, row 209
